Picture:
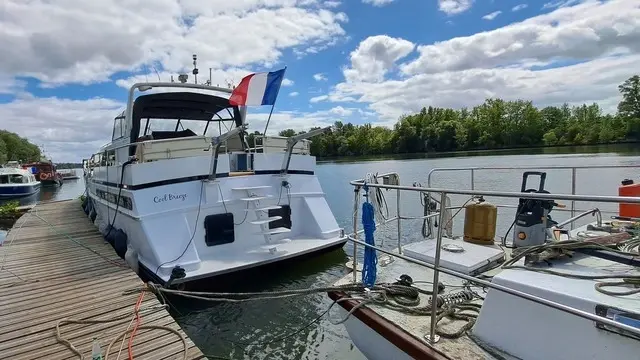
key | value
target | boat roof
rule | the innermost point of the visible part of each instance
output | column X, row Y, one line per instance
column 13, row 171
column 181, row 105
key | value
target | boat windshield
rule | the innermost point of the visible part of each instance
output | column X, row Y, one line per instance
column 13, row 179
column 176, row 115
column 185, row 127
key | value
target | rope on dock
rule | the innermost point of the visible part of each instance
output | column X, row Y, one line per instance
column 148, row 310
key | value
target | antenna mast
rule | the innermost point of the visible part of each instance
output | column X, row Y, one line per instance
column 195, row 69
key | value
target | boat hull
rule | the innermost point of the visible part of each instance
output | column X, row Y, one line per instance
column 18, row 190
column 175, row 222
column 229, row 280
column 376, row 337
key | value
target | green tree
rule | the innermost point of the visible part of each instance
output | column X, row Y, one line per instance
column 494, row 124
column 3, row 152
column 630, row 104
column 287, row 133
column 17, row 148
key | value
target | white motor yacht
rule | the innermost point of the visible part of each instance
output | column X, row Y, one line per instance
column 181, row 194
column 16, row 182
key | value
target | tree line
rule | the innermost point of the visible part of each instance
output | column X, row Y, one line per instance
column 16, row 148
column 495, row 124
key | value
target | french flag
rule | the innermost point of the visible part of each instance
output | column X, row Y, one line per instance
column 258, row 89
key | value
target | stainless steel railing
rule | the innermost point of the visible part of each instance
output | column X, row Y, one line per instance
column 358, row 185
column 574, row 169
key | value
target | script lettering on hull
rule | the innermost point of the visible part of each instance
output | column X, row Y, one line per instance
column 169, row 197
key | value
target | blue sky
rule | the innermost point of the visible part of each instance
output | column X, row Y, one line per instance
column 68, row 64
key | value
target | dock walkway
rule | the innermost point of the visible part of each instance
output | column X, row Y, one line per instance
column 55, row 265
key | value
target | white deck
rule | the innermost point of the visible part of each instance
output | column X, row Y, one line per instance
column 513, row 325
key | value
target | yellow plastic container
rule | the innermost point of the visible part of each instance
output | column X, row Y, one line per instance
column 480, row 222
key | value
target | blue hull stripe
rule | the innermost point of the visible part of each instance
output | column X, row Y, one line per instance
column 14, row 191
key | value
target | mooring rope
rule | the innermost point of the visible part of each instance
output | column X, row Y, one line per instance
column 395, row 296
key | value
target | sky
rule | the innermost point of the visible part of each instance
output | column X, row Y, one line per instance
column 66, row 65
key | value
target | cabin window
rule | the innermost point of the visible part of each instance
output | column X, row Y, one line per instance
column 16, row 179
column 4, row 179
column 219, row 229
column 111, row 157
column 103, row 159
column 118, row 128
column 285, row 213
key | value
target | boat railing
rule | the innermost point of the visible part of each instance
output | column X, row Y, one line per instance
column 472, row 170
column 278, row 144
column 394, row 185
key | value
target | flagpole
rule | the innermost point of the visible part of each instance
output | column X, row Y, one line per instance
column 274, row 104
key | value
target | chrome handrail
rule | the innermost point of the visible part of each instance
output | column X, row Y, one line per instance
column 573, row 169
column 359, row 184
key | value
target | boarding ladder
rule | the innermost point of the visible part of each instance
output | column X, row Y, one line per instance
column 253, row 195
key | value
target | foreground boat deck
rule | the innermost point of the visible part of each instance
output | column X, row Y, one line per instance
column 65, row 270
column 409, row 330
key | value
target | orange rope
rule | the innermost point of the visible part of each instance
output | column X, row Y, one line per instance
column 135, row 328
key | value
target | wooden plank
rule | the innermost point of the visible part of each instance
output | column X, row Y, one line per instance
column 56, row 265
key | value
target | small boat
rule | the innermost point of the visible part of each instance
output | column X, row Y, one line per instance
column 553, row 292
column 45, row 171
column 182, row 199
column 69, row 174
column 17, row 183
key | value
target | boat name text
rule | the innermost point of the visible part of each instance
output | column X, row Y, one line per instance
column 169, row 197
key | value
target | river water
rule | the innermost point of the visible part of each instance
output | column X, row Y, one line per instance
column 282, row 329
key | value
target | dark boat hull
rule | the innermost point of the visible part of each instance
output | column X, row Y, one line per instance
column 13, row 191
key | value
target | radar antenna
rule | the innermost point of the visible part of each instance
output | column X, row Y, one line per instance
column 195, row 68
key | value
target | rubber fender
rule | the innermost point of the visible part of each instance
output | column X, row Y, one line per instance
column 89, row 206
column 84, row 204
column 109, row 234
column 93, row 214
column 120, row 242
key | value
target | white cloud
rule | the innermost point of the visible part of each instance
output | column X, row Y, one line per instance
column 319, row 77
column 561, row 3
column 580, row 32
column 287, row 82
column 118, row 35
column 492, row 15
column 319, row 98
column 68, row 129
column 340, row 111
column 378, row 2
column 519, row 61
column 331, row 4
column 291, row 120
column 221, row 78
column 375, row 56
column 519, row 7
column 594, row 81
column 10, row 85
column 294, row 93
column 452, row 7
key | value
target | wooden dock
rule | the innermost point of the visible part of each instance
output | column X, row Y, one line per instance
column 55, row 265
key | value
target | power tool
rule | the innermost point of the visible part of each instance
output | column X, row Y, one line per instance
column 532, row 216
